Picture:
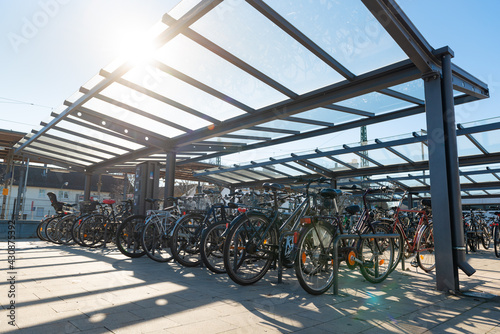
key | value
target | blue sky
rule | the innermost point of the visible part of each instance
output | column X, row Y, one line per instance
column 49, row 48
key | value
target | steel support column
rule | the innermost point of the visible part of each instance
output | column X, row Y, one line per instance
column 88, row 184
column 170, row 175
column 443, row 164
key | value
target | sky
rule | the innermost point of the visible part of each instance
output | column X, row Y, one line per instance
column 49, row 48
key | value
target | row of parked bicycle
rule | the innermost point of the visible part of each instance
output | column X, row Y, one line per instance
column 244, row 235
column 481, row 228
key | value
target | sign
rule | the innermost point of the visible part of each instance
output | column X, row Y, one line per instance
column 5, row 191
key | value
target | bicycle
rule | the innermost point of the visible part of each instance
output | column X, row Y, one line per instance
column 315, row 246
column 157, row 230
column 416, row 235
column 496, row 235
column 188, row 230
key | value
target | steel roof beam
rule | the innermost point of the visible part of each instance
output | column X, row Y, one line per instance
column 493, row 172
column 37, row 150
column 381, row 78
column 364, row 156
column 349, row 110
column 66, row 149
column 473, row 140
column 138, row 111
column 35, row 157
column 233, row 136
column 93, row 148
column 409, row 39
column 276, row 130
column 77, row 134
column 201, row 86
column 99, row 129
column 395, row 152
column 313, row 166
column 135, row 133
column 162, row 98
column 307, row 121
column 185, row 21
column 296, row 34
column 336, row 160
column 401, row 96
column 224, row 54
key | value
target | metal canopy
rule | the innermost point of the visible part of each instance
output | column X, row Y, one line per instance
column 402, row 162
column 221, row 77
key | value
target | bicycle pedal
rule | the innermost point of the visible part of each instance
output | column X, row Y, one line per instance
column 414, row 263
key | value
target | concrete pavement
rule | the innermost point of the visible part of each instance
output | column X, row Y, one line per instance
column 69, row 289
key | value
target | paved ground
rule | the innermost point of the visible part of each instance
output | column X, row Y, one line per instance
column 66, row 289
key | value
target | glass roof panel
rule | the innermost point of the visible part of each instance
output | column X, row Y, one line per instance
column 345, row 29
column 289, row 125
column 75, row 147
column 489, row 140
column 376, row 103
column 199, row 63
column 466, row 147
column 484, row 177
column 181, row 92
column 239, row 28
column 413, row 88
column 328, row 115
column 154, row 107
column 73, row 154
column 182, row 8
column 31, row 149
column 98, row 135
column 132, row 118
column 93, row 81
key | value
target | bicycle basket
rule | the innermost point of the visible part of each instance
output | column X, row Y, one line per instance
column 88, row 206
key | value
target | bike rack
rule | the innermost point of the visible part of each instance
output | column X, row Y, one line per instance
column 336, row 255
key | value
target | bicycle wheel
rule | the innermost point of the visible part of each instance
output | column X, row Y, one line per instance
column 185, row 242
column 156, row 241
column 425, row 249
column 50, row 230
column 40, row 230
column 288, row 253
column 129, row 234
column 314, row 260
column 250, row 248
column 376, row 255
column 63, row 229
column 496, row 240
column 91, row 231
column 212, row 245
column 486, row 237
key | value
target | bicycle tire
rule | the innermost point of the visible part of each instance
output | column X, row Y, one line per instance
column 486, row 237
column 50, row 230
column 288, row 252
column 245, row 261
column 63, row 229
column 496, row 240
column 426, row 257
column 91, row 231
column 399, row 244
column 185, row 241
column 376, row 267
column 314, row 258
column 40, row 230
column 212, row 246
column 156, row 241
column 129, row 235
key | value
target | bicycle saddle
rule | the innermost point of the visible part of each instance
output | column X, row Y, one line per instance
column 108, row 201
column 274, row 186
column 426, row 202
column 330, row 193
column 352, row 209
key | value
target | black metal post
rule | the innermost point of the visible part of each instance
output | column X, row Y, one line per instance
column 86, row 189
column 170, row 175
